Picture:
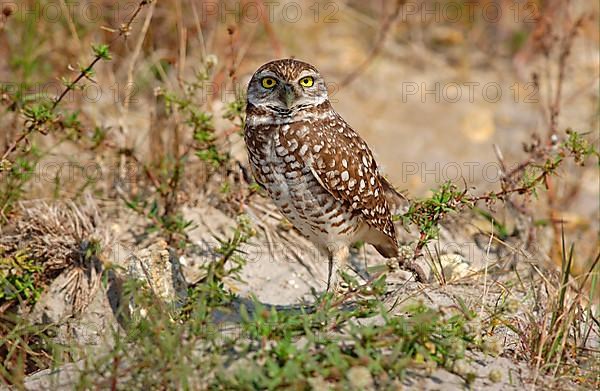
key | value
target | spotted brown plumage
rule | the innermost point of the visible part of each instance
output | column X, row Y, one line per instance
column 316, row 168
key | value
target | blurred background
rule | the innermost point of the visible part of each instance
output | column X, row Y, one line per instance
column 432, row 86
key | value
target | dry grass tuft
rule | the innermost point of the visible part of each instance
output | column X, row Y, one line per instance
column 58, row 237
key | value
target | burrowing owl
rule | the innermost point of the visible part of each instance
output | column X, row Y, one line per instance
column 316, row 168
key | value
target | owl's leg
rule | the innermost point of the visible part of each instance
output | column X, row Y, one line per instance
column 338, row 256
column 330, row 272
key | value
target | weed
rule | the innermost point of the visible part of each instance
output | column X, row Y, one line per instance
column 525, row 180
column 288, row 348
column 557, row 341
column 19, row 279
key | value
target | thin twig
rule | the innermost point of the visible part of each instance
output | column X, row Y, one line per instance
column 376, row 49
column 567, row 44
column 136, row 52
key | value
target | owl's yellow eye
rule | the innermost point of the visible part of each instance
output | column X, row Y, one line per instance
column 307, row 81
column 268, row 82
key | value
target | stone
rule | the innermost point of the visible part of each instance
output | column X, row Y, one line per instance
column 360, row 378
column 160, row 270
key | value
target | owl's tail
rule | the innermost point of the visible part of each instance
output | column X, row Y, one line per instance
column 398, row 203
column 388, row 250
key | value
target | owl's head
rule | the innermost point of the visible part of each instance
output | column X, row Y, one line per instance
column 286, row 86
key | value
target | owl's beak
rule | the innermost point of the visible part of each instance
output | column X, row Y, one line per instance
column 289, row 97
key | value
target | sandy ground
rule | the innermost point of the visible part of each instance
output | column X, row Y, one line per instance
column 277, row 279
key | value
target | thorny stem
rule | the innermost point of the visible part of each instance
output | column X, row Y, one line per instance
column 72, row 84
column 465, row 199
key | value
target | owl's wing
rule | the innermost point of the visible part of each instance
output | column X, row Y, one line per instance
column 397, row 202
column 343, row 164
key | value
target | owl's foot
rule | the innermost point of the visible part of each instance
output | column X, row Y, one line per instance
column 341, row 289
column 337, row 264
column 336, row 283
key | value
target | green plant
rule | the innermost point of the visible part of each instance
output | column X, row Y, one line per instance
column 524, row 180
column 290, row 348
column 210, row 290
column 427, row 213
column 19, row 279
column 16, row 176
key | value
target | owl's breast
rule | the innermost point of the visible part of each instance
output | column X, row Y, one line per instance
column 287, row 177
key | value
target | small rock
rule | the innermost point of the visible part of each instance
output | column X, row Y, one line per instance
column 461, row 368
column 495, row 376
column 87, row 325
column 160, row 271
column 419, row 268
column 454, row 266
column 183, row 261
column 317, row 383
column 360, row 378
column 492, row 346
